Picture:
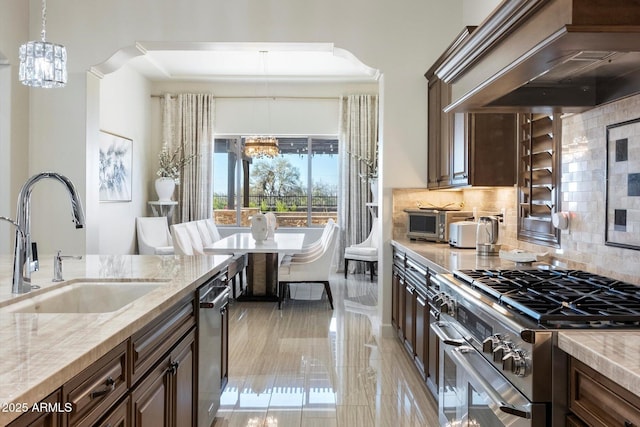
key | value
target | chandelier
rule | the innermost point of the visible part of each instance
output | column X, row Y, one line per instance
column 261, row 146
column 43, row 64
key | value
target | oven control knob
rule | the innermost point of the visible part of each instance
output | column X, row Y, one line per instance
column 515, row 362
column 489, row 344
column 501, row 350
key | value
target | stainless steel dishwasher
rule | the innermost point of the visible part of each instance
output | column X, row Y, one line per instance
column 212, row 346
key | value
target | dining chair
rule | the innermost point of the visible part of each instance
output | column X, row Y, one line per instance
column 153, row 235
column 181, row 239
column 367, row 251
column 314, row 269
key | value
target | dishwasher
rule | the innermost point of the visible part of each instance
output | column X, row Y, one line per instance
column 213, row 338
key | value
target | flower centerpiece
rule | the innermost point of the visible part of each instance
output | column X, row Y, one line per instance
column 171, row 164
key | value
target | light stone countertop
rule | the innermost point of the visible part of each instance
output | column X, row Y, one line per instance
column 40, row 352
column 443, row 258
column 615, row 354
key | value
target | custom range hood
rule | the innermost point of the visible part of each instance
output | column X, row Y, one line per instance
column 547, row 56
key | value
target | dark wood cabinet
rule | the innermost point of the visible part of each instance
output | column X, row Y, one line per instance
column 149, row 380
column 598, row 401
column 42, row 419
column 433, row 349
column 412, row 314
column 120, row 416
column 466, row 148
column 94, row 391
column 167, row 394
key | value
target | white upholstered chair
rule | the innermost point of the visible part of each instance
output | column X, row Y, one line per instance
column 154, row 237
column 313, row 269
column 366, row 251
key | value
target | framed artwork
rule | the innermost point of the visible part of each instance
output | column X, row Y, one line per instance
column 623, row 185
column 115, row 163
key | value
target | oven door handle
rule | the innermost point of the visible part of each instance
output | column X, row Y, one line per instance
column 459, row 355
column 439, row 328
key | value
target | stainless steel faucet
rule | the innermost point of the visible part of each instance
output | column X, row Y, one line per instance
column 25, row 256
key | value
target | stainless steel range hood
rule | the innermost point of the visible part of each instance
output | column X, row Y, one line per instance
column 547, row 56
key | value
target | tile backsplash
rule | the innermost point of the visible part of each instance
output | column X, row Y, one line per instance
column 583, row 195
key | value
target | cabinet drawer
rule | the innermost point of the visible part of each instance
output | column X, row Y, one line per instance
column 97, row 388
column 156, row 339
column 598, row 401
column 119, row 417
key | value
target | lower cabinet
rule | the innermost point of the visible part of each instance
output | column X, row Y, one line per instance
column 412, row 314
column 166, row 396
column 119, row 417
column 149, row 380
column 597, row 401
column 42, row 419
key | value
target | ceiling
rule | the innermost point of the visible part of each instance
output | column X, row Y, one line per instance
column 247, row 62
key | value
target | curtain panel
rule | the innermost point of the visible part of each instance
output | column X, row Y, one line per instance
column 188, row 124
column 358, row 148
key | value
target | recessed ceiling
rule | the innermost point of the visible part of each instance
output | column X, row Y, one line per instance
column 240, row 61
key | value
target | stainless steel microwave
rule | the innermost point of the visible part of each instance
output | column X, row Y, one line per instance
column 432, row 224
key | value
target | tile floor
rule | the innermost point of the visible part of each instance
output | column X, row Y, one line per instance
column 306, row 365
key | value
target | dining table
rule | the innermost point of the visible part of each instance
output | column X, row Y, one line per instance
column 263, row 260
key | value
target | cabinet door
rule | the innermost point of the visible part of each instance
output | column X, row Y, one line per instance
column 433, row 134
column 183, row 386
column 422, row 333
column 150, row 400
column 492, row 149
column 409, row 318
column 395, row 296
column 42, row 419
column 460, row 150
column 401, row 308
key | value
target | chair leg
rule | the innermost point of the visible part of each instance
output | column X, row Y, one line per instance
column 346, row 267
column 281, row 288
column 327, row 289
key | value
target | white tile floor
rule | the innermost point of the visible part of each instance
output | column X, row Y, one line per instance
column 306, row 365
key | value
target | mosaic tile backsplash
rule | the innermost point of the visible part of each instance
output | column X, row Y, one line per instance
column 584, row 157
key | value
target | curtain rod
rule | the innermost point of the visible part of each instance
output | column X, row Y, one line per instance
column 261, row 97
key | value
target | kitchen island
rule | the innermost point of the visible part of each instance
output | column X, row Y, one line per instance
column 42, row 351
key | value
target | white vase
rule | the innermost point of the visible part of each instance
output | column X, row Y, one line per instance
column 164, row 189
column 259, row 227
column 373, row 182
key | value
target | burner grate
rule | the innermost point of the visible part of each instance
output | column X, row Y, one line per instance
column 552, row 296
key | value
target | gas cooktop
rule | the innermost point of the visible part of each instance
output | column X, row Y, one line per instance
column 560, row 296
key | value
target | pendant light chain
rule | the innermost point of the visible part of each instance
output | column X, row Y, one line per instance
column 43, row 33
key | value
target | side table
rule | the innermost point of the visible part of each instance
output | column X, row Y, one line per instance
column 159, row 208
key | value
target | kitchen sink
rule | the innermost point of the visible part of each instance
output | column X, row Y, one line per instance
column 85, row 296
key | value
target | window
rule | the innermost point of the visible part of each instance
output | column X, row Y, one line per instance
column 300, row 185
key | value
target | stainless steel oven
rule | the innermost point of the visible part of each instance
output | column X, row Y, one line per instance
column 473, row 393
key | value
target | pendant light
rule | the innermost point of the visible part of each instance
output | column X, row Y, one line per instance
column 43, row 64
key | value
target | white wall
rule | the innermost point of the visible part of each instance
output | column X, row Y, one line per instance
column 14, row 130
column 124, row 111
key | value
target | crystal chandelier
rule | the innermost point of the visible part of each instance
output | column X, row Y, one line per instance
column 261, row 146
column 43, row 64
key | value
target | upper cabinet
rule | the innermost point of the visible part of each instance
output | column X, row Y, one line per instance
column 467, row 148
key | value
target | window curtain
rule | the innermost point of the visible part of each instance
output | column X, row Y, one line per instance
column 358, row 150
column 188, row 124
